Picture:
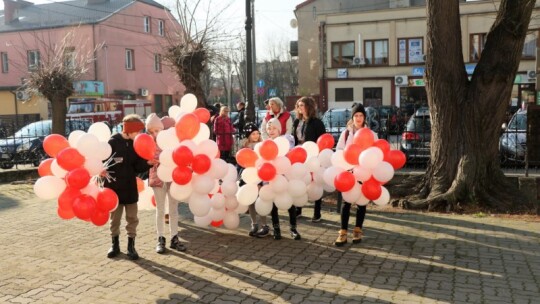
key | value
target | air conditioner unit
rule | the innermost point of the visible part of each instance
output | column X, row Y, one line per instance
column 22, row 96
column 531, row 75
column 401, row 80
column 143, row 92
column 358, row 61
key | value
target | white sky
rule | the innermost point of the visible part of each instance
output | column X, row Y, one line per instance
column 272, row 20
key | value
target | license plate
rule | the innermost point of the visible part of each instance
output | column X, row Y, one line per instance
column 5, row 156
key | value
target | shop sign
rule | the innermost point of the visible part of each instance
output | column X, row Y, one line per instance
column 417, row 83
column 89, row 88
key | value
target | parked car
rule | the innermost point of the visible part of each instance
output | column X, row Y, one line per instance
column 25, row 146
column 416, row 138
column 335, row 120
column 513, row 141
column 389, row 119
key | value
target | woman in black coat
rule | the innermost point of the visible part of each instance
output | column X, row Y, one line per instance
column 308, row 127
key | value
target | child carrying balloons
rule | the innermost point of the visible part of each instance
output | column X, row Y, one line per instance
column 161, row 190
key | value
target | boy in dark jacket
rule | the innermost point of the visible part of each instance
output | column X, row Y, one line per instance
column 123, row 172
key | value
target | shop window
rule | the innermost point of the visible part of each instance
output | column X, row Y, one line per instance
column 477, row 43
column 342, row 54
column 529, row 46
column 344, row 94
column 376, row 52
column 372, row 97
column 410, row 50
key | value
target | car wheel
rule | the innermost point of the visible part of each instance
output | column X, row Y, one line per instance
column 6, row 165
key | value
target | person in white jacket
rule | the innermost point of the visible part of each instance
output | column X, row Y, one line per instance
column 278, row 111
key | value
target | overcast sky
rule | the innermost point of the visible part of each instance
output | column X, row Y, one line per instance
column 272, row 20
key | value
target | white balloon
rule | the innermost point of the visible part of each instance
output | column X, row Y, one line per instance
column 174, row 111
column 74, row 137
column 297, row 171
column 57, row 170
column 361, row 174
column 318, row 176
column 165, row 158
column 216, row 214
column 297, row 188
column 338, row 160
column 247, row 194
column 241, row 209
column 314, row 191
column 202, row 184
column 313, row 164
column 362, row 200
column 352, row 195
column 231, row 203
column 301, row 201
column 203, row 134
column 49, row 187
column 232, row 173
column 100, row 130
column 164, row 173
column 216, row 186
column 217, row 201
column 371, row 157
column 307, row 178
column 263, row 207
column 383, row 172
column 282, row 164
column 328, row 188
column 283, row 201
column 229, row 188
column 231, row 220
column 219, row 168
column 250, row 176
column 266, row 193
column 91, row 189
column 88, row 145
column 167, row 139
column 202, row 221
column 93, row 166
column 188, row 103
column 384, row 198
column 190, row 144
column 311, row 148
column 104, row 150
column 199, row 204
column 181, row 192
column 325, row 158
column 283, row 145
column 257, row 149
column 330, row 174
column 279, row 184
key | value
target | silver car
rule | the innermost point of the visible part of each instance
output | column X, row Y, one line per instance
column 513, row 141
column 416, row 138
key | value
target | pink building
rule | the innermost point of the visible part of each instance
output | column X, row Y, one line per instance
column 128, row 65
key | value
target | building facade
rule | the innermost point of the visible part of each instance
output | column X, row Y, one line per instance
column 374, row 53
column 125, row 37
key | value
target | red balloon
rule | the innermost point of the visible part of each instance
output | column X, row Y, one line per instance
column 268, row 149
column 203, row 114
column 107, row 200
column 266, row 172
column 182, row 175
column 344, row 181
column 187, row 126
column 84, row 206
column 54, row 143
column 182, row 156
column 246, row 157
column 145, row 146
column 396, row 158
column 70, row 159
column 351, row 153
column 364, row 137
column 140, row 185
column 325, row 141
column 201, row 164
column 216, row 223
column 44, row 168
column 66, row 199
column 383, row 145
column 65, row 214
column 371, row 189
column 100, row 218
column 78, row 178
column 297, row 155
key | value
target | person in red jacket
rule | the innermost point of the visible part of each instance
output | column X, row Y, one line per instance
column 223, row 128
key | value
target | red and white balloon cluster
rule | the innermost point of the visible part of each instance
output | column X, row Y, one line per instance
column 68, row 175
column 367, row 160
column 190, row 161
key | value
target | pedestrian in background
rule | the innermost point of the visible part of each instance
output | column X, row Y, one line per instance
column 240, row 121
column 278, row 111
column 223, row 128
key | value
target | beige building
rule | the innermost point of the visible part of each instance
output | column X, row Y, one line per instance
column 373, row 51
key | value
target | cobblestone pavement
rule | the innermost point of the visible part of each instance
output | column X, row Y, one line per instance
column 404, row 258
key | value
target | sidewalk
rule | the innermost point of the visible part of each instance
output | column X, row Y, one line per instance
column 404, row 258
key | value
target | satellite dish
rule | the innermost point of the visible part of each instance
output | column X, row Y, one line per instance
column 294, row 23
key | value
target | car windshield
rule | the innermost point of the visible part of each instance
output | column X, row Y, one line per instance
column 36, row 129
column 419, row 124
column 519, row 122
column 336, row 119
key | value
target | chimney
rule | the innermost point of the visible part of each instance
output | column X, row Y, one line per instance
column 10, row 9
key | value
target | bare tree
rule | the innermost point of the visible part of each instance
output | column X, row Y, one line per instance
column 59, row 65
column 466, row 115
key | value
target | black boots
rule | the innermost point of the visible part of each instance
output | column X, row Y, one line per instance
column 177, row 245
column 294, row 233
column 277, row 233
column 160, row 248
column 115, row 248
column 132, row 253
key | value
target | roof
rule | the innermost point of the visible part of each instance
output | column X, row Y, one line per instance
column 304, row 4
column 60, row 14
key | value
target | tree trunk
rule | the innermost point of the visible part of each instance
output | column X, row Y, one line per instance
column 59, row 111
column 466, row 116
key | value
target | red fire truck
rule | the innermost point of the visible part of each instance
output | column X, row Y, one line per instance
column 106, row 109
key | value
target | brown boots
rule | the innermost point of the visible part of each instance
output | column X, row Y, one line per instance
column 342, row 237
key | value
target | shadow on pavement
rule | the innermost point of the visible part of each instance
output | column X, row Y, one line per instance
column 7, row 202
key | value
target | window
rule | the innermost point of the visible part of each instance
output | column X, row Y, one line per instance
column 376, row 52
column 33, row 60
column 477, row 43
column 161, row 27
column 411, row 50
column 344, row 94
column 158, row 103
column 146, row 24
column 130, row 59
column 342, row 54
column 5, row 66
column 157, row 63
column 529, row 47
column 69, row 57
column 372, row 97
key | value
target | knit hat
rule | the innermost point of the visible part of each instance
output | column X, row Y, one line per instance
column 167, row 122
column 276, row 123
column 153, row 121
column 250, row 128
column 358, row 108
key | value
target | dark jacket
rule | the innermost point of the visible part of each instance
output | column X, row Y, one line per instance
column 240, row 122
column 126, row 165
column 312, row 130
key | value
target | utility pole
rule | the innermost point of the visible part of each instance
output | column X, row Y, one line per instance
column 250, row 105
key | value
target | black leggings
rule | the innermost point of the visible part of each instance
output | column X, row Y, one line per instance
column 292, row 217
column 346, row 213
